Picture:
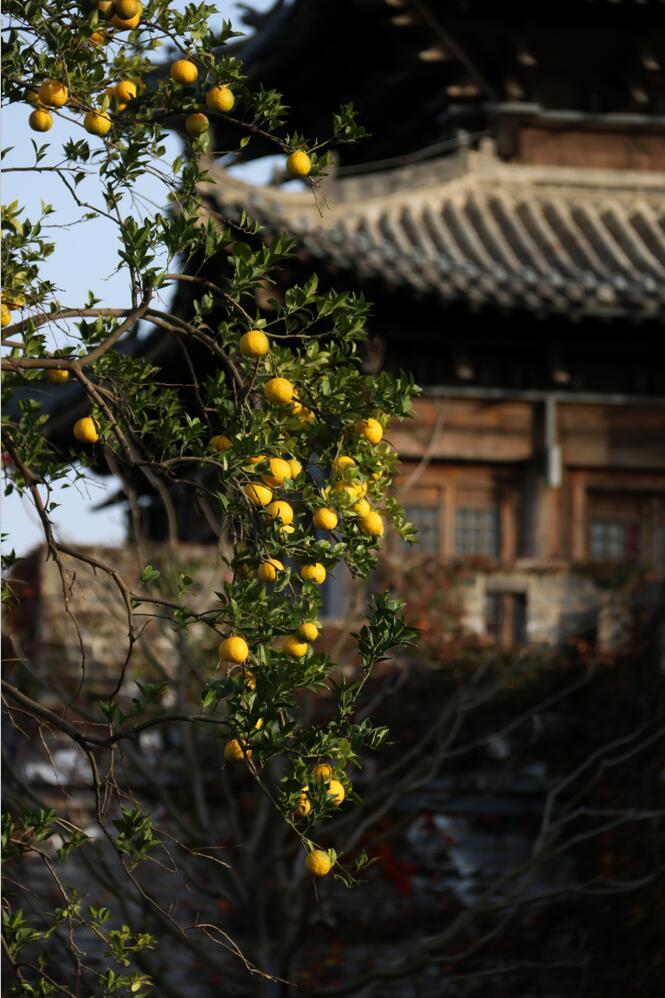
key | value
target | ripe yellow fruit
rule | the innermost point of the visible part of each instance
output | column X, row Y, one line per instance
column 97, row 123
column 278, row 390
column 303, row 805
column 285, row 531
column 196, row 124
column 294, row 647
column 53, row 93
column 298, row 164
column 341, row 463
column 57, row 376
column 106, row 8
column 370, row 429
column 318, row 863
column 6, row 314
column 281, row 511
column 97, row 38
column 259, row 495
column 32, row 97
column 313, row 573
column 362, row 507
column 325, row 519
column 128, row 23
column 295, row 466
column 372, row 524
column 308, row 631
column 220, row 99
column 235, row 752
column 126, row 9
column 256, row 459
column 354, row 490
column 85, row 430
column 279, row 470
column 254, row 344
column 40, row 121
column 220, row 443
column 336, row 791
column 234, row 649
column 125, row 91
column 268, row 570
column 322, row 771
column 184, row 71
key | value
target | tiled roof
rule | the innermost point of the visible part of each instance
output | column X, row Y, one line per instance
column 544, row 239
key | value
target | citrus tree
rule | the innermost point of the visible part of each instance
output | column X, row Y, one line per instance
column 281, row 435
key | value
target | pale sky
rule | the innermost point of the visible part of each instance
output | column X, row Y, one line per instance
column 84, row 259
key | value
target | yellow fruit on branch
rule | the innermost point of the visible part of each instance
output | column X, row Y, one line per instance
column 295, row 466
column 294, row 647
column 259, row 495
column 354, row 490
column 280, row 510
column 235, row 752
column 57, row 376
column 53, row 93
column 370, row 429
column 278, row 391
column 97, row 123
column 184, row 71
column 318, row 863
column 41, row 121
column 362, row 507
column 285, row 531
column 125, row 91
column 126, row 9
column 128, row 23
column 313, row 573
column 97, row 38
column 308, row 631
column 372, row 524
column 340, row 464
column 303, row 805
column 234, row 649
column 254, row 344
column 106, row 8
column 269, row 570
column 85, row 430
column 220, row 443
column 336, row 792
column 196, row 124
column 220, row 99
column 298, row 164
column 279, row 471
column 322, row 771
column 325, row 519
column 6, row 314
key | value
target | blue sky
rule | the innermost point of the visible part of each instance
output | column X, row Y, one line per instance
column 85, row 259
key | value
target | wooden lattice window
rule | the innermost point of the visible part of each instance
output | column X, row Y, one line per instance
column 477, row 531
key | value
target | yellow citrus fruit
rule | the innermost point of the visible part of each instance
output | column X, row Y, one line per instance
column 126, row 9
column 336, row 790
column 97, row 123
column 268, row 570
column 279, row 470
column 53, row 93
column 278, row 390
column 325, row 519
column 308, row 631
column 234, row 649
column 372, row 524
column 196, row 124
column 370, row 429
column 318, row 863
column 341, row 463
column 322, row 771
column 298, row 164
column 184, row 71
column 32, row 97
column 259, row 495
column 295, row 466
column 294, row 647
column 254, row 344
column 85, row 430
column 125, row 91
column 313, row 573
column 281, row 511
column 6, row 314
column 256, row 459
column 234, row 751
column 128, row 23
column 220, row 99
column 220, row 443
column 40, row 121
column 303, row 805
column 354, row 490
column 106, row 8
column 362, row 507
column 97, row 38
column 285, row 531
column 57, row 376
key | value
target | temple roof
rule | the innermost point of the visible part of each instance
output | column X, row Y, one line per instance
column 474, row 229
